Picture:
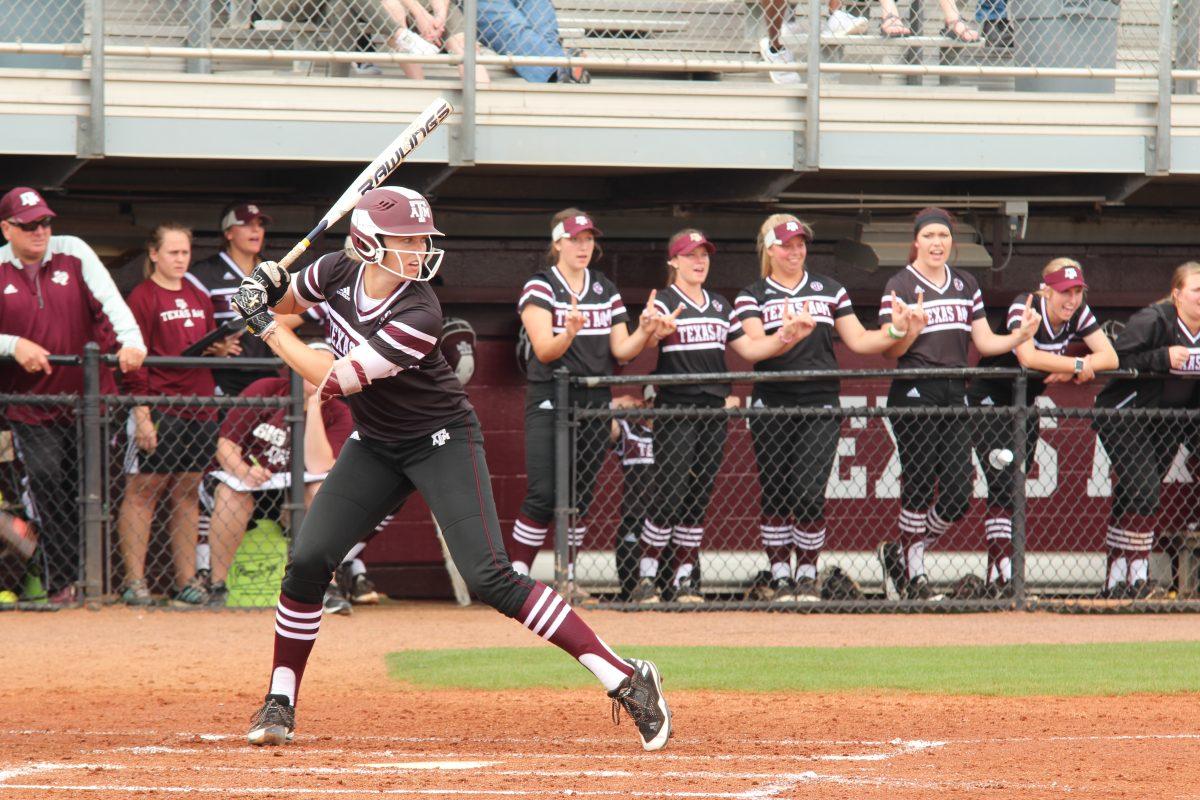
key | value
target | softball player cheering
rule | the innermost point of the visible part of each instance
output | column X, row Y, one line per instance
column 415, row 431
column 1065, row 318
column 795, row 455
column 935, row 452
column 575, row 319
column 688, row 451
column 1164, row 338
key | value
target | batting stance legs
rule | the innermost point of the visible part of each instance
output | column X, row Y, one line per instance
column 449, row 469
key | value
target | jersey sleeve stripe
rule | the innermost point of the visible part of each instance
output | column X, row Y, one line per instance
column 400, row 328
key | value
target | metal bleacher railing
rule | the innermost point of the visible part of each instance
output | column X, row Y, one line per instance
column 1053, row 464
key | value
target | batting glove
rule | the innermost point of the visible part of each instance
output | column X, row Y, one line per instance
column 251, row 302
column 272, row 277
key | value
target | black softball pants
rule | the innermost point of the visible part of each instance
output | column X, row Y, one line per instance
column 1140, row 450
column 688, row 452
column 51, row 458
column 590, row 447
column 371, row 479
column 794, row 456
column 935, row 452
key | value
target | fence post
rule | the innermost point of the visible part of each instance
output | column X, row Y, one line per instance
column 1020, row 420
column 466, row 128
column 95, row 121
column 562, row 477
column 812, row 90
column 92, row 483
column 296, row 416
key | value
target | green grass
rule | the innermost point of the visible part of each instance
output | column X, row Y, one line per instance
column 1019, row 670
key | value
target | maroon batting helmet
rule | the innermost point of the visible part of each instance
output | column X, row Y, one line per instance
column 394, row 211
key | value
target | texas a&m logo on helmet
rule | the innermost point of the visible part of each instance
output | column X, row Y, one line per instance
column 394, row 211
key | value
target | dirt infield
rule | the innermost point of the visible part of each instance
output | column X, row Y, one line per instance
column 118, row 703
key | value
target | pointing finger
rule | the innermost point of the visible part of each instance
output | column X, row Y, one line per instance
column 677, row 312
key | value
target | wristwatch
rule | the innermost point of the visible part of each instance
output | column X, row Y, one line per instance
column 1078, row 365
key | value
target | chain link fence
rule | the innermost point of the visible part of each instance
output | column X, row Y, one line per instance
column 179, row 501
column 870, row 508
column 538, row 38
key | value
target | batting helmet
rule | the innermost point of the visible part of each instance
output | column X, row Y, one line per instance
column 394, row 211
column 458, row 346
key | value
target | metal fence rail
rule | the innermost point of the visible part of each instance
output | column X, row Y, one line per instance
column 1033, row 506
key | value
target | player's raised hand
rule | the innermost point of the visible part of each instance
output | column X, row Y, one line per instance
column 805, row 318
column 1030, row 320
column 901, row 314
column 668, row 324
column 650, row 311
column 917, row 316
column 574, row 321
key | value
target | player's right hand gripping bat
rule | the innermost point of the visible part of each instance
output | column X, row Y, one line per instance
column 376, row 173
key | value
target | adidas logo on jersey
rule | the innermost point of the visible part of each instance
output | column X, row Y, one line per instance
column 344, row 292
column 10, row 289
column 913, row 393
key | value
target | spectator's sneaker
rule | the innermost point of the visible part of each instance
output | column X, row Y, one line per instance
column 641, row 696
column 895, row 576
column 572, row 75
column 192, row 595
column 366, row 68
column 358, row 589
column 408, row 41
column 919, row 589
column 843, row 23
column 218, row 595
column 275, row 722
column 688, row 591
column 66, row 596
column 781, row 56
column 204, row 577
column 137, row 593
column 18, row 536
column 783, row 590
column 645, row 593
column 335, row 602
column 807, row 590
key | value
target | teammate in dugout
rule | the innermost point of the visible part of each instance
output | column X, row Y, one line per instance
column 795, row 453
column 254, row 456
column 935, row 452
column 415, row 431
column 689, row 450
column 1066, row 318
column 169, row 446
column 1162, row 339
column 576, row 320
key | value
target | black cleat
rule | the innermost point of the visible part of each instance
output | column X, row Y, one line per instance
column 919, row 589
column 895, row 574
column 641, row 696
column 275, row 722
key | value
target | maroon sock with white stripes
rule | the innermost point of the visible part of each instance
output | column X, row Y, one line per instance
column 296, row 626
column 528, row 536
column 548, row 615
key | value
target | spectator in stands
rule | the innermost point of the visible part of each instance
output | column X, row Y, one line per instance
column 168, row 446
column 936, row 472
column 1066, row 318
column 219, row 275
column 254, row 458
column 696, row 327
column 55, row 296
column 439, row 26
column 795, row 454
column 577, row 321
column 782, row 23
column 527, row 28
column 1164, row 340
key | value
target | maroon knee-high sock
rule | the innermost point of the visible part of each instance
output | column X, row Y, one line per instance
column 296, row 626
column 528, row 536
column 547, row 614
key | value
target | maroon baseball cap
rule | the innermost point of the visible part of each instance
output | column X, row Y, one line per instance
column 23, row 204
column 784, row 232
column 1069, row 277
column 573, row 226
column 243, row 214
column 689, row 242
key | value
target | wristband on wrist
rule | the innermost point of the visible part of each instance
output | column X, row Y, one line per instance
column 895, row 332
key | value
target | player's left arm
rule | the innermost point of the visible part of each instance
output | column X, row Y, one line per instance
column 626, row 346
column 313, row 365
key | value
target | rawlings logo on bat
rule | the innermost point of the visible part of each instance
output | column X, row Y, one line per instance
column 407, row 146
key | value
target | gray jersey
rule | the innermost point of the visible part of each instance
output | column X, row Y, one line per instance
column 417, row 393
column 601, row 306
column 952, row 308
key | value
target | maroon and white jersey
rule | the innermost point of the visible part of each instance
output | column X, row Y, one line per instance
column 171, row 321
column 635, row 449
column 61, row 304
column 601, row 306
column 394, row 342
column 766, row 299
column 698, row 344
column 951, row 307
column 265, row 435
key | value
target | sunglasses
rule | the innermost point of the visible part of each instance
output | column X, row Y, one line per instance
column 30, row 227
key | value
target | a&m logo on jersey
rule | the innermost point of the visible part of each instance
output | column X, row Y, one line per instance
column 440, row 438
column 597, row 289
column 717, row 305
column 817, row 286
column 419, row 210
column 29, row 198
column 60, row 277
column 958, row 285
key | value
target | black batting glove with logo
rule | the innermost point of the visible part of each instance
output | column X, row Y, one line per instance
column 273, row 278
column 251, row 302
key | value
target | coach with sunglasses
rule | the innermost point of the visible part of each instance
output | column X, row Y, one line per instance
column 55, row 296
